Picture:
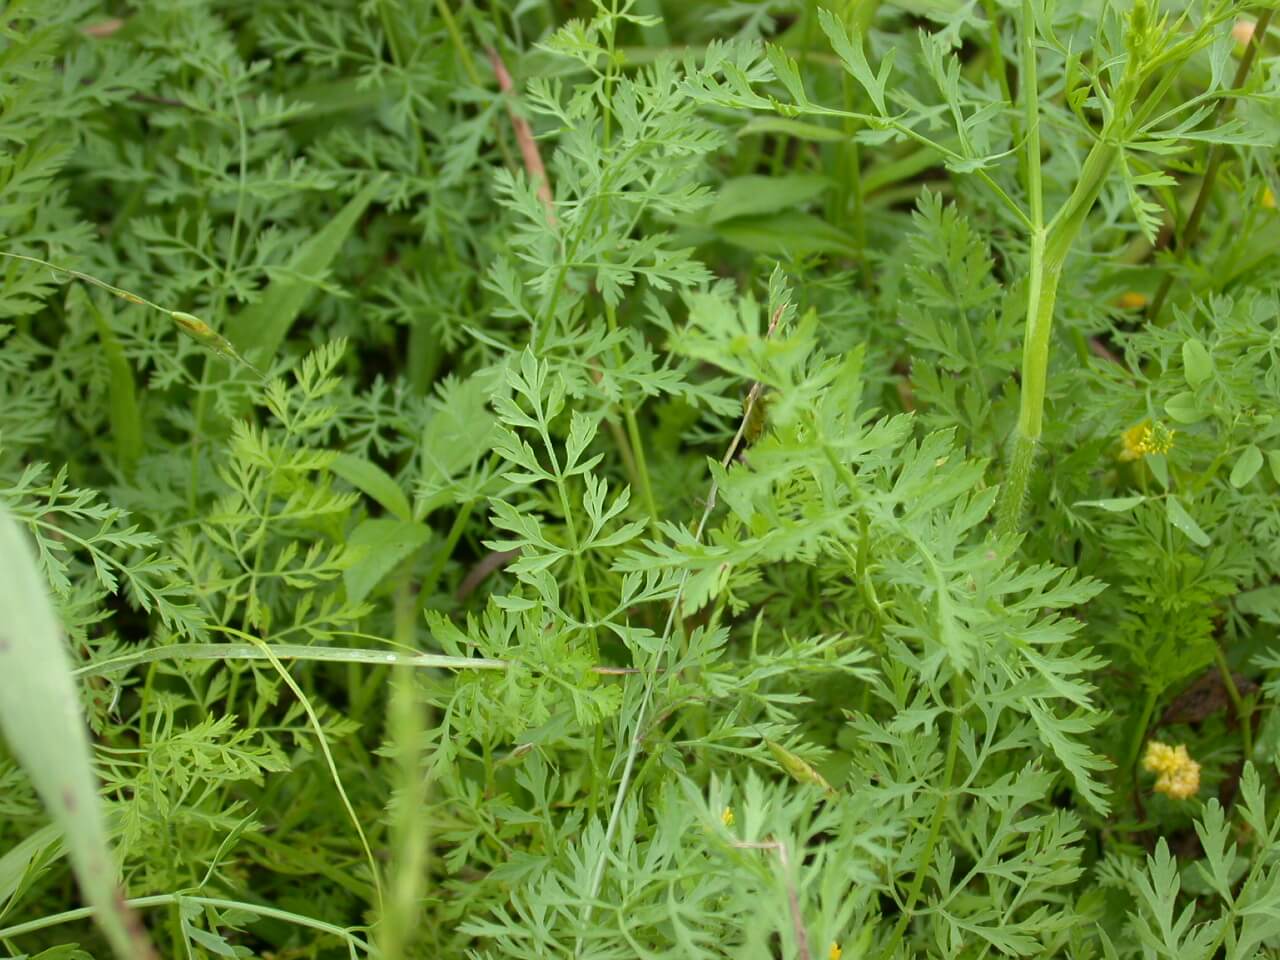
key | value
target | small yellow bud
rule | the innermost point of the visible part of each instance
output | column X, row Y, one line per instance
column 1144, row 439
column 1268, row 199
column 835, row 951
column 727, row 817
column 1178, row 776
column 1131, row 300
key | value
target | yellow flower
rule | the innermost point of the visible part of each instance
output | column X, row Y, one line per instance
column 1268, row 199
column 1144, row 439
column 1132, row 300
column 1178, row 776
column 727, row 817
column 834, row 952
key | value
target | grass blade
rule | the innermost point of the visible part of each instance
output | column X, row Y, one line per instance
column 125, row 419
column 40, row 718
column 261, row 327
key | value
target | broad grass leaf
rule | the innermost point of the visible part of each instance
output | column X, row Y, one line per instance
column 122, row 392
column 41, row 720
column 27, row 856
column 790, row 234
column 374, row 482
column 749, row 196
column 262, row 327
column 382, row 543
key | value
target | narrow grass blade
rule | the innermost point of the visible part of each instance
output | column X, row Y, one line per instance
column 407, row 725
column 25, row 859
column 260, row 328
column 126, row 421
column 40, row 718
column 283, row 651
column 371, row 479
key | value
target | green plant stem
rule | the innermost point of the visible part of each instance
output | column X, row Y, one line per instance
column 429, row 582
column 455, row 35
column 611, row 312
column 1140, row 731
column 575, row 547
column 633, row 428
column 958, row 701
column 575, row 542
column 1035, row 349
column 1049, row 249
column 1244, row 710
column 1191, row 232
column 228, row 270
column 1050, row 246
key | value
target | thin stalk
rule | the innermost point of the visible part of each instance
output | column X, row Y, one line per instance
column 1000, row 71
column 611, row 314
column 999, row 67
column 575, row 547
column 455, row 35
column 1244, row 710
column 611, row 72
column 428, row 588
column 624, row 450
column 1191, row 231
column 858, row 16
column 958, row 702
column 571, row 528
column 633, row 427
column 233, row 256
column 1140, row 731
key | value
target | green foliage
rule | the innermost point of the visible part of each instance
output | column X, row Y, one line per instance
column 752, row 485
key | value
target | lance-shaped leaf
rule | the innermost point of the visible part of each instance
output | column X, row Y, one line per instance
column 41, row 720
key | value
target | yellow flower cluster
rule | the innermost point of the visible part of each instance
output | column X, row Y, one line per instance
column 1178, row 775
column 834, row 952
column 1143, row 439
column 727, row 817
